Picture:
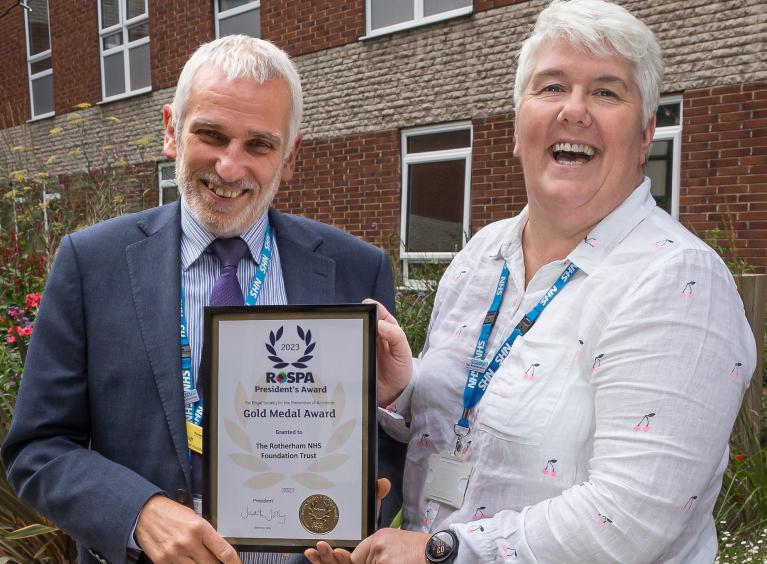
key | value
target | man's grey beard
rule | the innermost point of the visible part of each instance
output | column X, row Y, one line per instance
column 233, row 226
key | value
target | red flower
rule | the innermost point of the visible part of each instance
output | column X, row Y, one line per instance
column 33, row 300
column 25, row 331
column 740, row 457
column 10, row 339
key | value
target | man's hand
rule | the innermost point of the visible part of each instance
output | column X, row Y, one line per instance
column 395, row 360
column 391, row 546
column 170, row 532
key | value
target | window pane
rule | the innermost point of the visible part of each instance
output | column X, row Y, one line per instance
column 660, row 170
column 138, row 31
column 431, row 7
column 42, row 95
column 384, row 13
column 247, row 23
column 458, row 139
column 40, row 66
column 136, row 8
column 114, row 74
column 667, row 114
column 168, row 172
column 140, row 71
column 110, row 13
column 229, row 4
column 435, row 206
column 168, row 194
column 113, row 40
column 37, row 19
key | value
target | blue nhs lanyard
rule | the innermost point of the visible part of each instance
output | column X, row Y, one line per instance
column 480, row 371
column 192, row 400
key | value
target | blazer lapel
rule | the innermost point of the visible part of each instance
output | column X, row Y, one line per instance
column 309, row 276
column 154, row 267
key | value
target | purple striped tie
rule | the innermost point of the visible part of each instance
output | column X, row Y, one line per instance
column 226, row 290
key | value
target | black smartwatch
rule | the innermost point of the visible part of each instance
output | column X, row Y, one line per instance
column 442, row 547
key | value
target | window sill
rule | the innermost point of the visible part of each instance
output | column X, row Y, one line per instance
column 41, row 117
column 131, row 94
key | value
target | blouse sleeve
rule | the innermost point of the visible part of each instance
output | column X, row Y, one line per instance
column 678, row 356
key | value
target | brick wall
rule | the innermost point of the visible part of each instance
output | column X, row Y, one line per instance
column 75, row 54
column 302, row 27
column 724, row 165
column 14, row 83
column 352, row 182
column 176, row 29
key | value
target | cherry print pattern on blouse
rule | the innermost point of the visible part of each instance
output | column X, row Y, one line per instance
column 735, row 372
column 690, row 502
column 549, row 469
column 596, row 366
column 472, row 529
column 530, row 372
column 428, row 519
column 423, row 442
column 663, row 243
column 590, row 241
column 507, row 552
column 459, row 332
column 465, row 448
column 479, row 513
column 687, row 291
column 580, row 348
column 391, row 408
column 603, row 519
column 644, row 423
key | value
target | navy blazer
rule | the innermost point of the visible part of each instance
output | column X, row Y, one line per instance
column 99, row 423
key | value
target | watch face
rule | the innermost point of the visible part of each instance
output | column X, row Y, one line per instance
column 440, row 546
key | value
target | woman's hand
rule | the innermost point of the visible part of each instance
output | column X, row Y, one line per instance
column 385, row 546
column 395, row 360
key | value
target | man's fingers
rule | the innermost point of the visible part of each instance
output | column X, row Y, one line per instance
column 324, row 554
column 219, row 548
column 383, row 313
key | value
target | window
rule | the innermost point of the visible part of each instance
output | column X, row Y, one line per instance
column 39, row 59
column 436, row 180
column 386, row 16
column 238, row 17
column 663, row 164
column 166, row 173
column 124, row 46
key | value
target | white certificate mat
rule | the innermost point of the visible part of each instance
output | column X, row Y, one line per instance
column 288, row 425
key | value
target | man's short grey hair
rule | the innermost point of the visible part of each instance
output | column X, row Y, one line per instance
column 602, row 29
column 242, row 56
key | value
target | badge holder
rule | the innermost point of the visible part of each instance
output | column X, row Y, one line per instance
column 449, row 474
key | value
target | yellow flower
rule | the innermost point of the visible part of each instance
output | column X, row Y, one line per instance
column 75, row 118
column 17, row 149
column 82, row 106
column 144, row 141
column 121, row 162
column 19, row 175
column 112, row 119
column 56, row 131
column 52, row 159
column 74, row 153
column 10, row 195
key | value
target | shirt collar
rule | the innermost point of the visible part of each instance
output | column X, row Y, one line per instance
column 614, row 228
column 601, row 240
column 195, row 238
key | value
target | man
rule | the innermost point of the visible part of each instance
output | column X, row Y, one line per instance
column 98, row 442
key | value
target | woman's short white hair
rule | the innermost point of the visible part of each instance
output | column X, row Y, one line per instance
column 241, row 56
column 603, row 29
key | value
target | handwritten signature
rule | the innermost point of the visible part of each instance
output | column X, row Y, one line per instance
column 269, row 515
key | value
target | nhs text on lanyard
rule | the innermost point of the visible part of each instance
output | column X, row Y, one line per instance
column 480, row 371
column 192, row 400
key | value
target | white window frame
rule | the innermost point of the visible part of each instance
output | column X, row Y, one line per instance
column 125, row 46
column 418, row 19
column 428, row 157
column 673, row 133
column 31, row 59
column 252, row 5
column 170, row 183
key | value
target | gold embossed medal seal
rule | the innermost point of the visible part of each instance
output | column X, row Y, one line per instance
column 318, row 514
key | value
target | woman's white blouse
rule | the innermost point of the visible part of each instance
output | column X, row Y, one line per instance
column 603, row 436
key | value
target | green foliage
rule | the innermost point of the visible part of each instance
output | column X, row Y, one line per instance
column 37, row 208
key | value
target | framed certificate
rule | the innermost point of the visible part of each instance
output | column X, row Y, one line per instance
column 289, row 437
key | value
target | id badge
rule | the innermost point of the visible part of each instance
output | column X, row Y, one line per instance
column 194, row 437
column 449, row 479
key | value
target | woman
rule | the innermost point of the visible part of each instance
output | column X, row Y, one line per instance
column 603, row 432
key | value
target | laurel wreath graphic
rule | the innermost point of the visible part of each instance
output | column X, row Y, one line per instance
column 310, row 474
column 277, row 360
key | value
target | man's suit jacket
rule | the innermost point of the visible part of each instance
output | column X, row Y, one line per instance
column 99, row 423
